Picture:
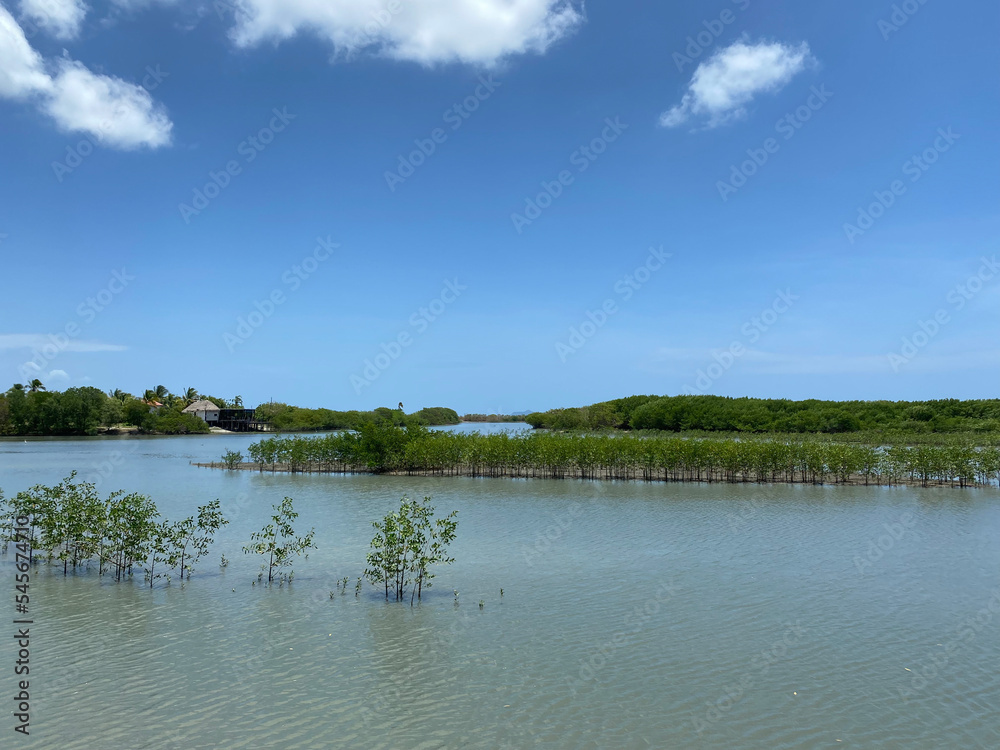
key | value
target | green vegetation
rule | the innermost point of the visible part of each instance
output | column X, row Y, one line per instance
column 232, row 459
column 285, row 418
column 33, row 410
column 277, row 540
column 71, row 524
column 751, row 415
column 407, row 543
column 434, row 416
column 387, row 448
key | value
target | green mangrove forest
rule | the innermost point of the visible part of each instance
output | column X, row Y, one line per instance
column 385, row 448
column 755, row 415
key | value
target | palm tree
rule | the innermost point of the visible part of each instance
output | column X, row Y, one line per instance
column 161, row 392
column 119, row 395
column 190, row 395
column 18, row 387
column 238, row 402
column 35, row 386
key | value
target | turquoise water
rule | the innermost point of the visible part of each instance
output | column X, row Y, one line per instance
column 633, row 616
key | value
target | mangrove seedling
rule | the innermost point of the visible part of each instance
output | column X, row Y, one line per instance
column 232, row 459
column 278, row 542
column 407, row 543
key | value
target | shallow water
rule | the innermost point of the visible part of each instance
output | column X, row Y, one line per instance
column 633, row 616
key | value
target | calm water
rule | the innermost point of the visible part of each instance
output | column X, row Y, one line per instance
column 633, row 616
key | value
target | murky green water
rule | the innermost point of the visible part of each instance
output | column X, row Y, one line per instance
column 633, row 616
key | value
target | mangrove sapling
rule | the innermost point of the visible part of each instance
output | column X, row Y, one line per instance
column 407, row 543
column 34, row 503
column 161, row 550
column 131, row 525
column 232, row 459
column 193, row 536
column 430, row 542
column 278, row 542
column 67, row 529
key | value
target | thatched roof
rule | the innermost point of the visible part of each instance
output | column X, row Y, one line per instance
column 202, row 405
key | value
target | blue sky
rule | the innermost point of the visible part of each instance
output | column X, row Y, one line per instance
column 654, row 269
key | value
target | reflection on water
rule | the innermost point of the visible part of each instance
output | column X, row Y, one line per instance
column 633, row 616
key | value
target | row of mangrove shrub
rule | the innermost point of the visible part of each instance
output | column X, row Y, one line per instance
column 71, row 524
column 385, row 448
column 754, row 415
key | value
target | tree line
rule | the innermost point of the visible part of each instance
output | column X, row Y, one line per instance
column 285, row 418
column 31, row 409
column 387, row 448
column 753, row 415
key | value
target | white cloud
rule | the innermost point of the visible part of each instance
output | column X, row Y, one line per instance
column 10, row 341
column 60, row 18
column 115, row 112
column 424, row 31
column 22, row 72
column 58, row 375
column 723, row 85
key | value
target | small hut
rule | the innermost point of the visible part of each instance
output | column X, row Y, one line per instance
column 208, row 411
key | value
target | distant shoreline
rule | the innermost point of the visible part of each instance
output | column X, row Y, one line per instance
column 133, row 432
